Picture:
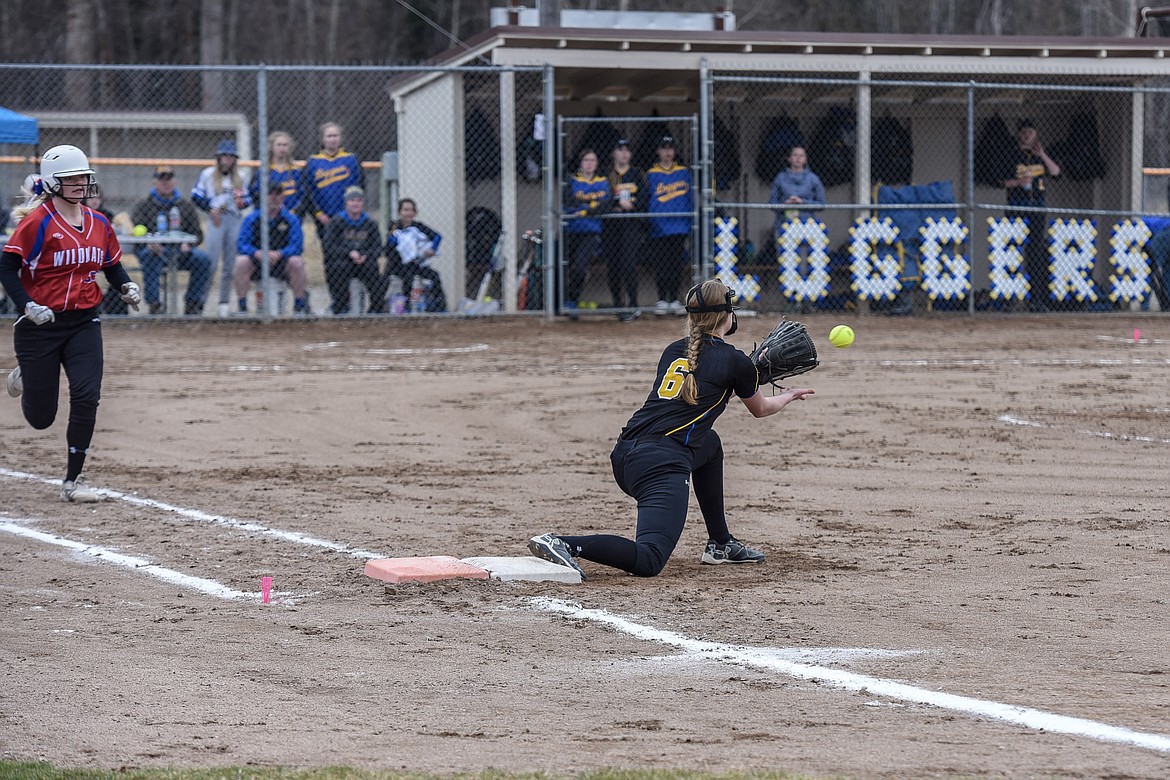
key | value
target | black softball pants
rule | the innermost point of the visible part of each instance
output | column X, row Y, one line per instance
column 72, row 342
column 659, row 472
column 622, row 246
column 669, row 256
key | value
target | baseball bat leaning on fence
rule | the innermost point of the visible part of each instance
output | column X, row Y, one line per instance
column 534, row 239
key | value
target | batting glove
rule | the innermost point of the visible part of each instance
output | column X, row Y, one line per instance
column 37, row 313
column 131, row 295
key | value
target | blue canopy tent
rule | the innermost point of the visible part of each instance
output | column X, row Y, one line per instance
column 17, row 128
column 14, row 129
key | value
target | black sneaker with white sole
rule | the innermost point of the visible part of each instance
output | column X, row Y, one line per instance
column 734, row 551
column 551, row 548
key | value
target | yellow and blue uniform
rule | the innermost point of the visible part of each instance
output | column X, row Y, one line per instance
column 586, row 199
column 326, row 178
column 1021, row 163
column 622, row 236
column 670, row 193
column 284, row 236
column 291, row 187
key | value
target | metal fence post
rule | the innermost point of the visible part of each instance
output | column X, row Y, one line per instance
column 551, row 177
column 262, row 188
column 704, row 250
column 970, row 194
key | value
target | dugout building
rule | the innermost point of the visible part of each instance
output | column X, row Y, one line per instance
column 872, row 110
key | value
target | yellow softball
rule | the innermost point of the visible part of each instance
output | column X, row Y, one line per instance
column 841, row 336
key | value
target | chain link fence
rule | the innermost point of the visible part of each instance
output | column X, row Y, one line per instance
column 911, row 195
column 628, row 213
column 838, row 194
column 458, row 144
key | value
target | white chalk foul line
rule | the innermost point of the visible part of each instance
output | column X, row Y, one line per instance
column 205, row 517
column 209, row 587
column 399, row 351
column 763, row 658
column 1011, row 420
column 978, row 362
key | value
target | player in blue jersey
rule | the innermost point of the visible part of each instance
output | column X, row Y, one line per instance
column 586, row 197
column 282, row 170
column 328, row 174
column 669, row 445
column 671, row 206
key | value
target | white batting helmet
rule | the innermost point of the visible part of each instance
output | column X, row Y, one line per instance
column 63, row 161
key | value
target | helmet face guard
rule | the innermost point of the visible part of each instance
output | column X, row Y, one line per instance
column 91, row 188
column 62, row 162
column 726, row 305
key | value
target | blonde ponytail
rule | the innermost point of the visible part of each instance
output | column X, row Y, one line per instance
column 700, row 324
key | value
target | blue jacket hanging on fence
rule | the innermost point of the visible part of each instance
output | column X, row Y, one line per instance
column 1158, row 252
column 908, row 221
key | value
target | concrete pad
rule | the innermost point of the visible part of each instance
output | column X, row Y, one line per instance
column 528, row 568
column 430, row 568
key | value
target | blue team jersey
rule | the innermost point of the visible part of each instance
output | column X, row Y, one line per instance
column 284, row 234
column 670, row 192
column 326, row 178
column 585, row 198
column 291, row 188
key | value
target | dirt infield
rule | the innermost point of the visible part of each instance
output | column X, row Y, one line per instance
column 982, row 500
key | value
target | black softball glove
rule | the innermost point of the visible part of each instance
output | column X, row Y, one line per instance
column 787, row 351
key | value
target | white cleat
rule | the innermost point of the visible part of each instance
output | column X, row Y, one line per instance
column 75, row 492
column 14, row 382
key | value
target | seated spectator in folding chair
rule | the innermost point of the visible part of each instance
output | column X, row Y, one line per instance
column 352, row 245
column 286, row 243
column 156, row 258
column 410, row 245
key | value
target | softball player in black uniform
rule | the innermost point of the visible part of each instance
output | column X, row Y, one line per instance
column 669, row 444
column 49, row 269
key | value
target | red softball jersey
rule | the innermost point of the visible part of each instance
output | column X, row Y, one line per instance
column 61, row 263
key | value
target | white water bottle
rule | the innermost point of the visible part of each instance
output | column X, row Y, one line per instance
column 417, row 293
column 175, row 219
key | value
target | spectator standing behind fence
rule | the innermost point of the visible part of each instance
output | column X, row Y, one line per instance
column 286, row 243
column 797, row 188
column 222, row 191
column 155, row 210
column 328, row 174
column 410, row 245
column 671, row 192
column 623, row 235
column 352, row 245
column 283, row 171
column 1026, row 181
column 586, row 198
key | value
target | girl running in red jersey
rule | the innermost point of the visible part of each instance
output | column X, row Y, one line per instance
column 49, row 270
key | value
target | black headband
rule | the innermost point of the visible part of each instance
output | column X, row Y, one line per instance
column 703, row 308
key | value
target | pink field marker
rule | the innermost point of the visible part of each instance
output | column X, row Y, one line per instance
column 1137, row 335
column 265, row 588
